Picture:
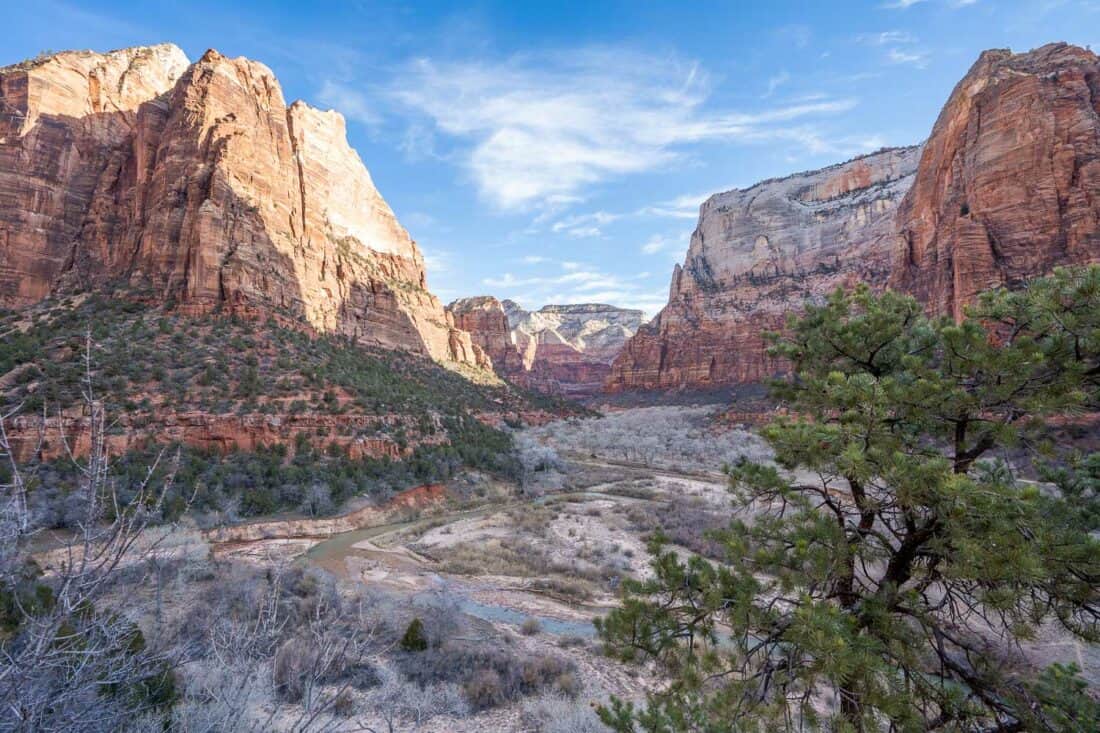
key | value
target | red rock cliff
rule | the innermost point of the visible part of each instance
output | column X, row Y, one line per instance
column 484, row 318
column 1006, row 188
column 1009, row 182
column 198, row 183
column 558, row 349
column 758, row 254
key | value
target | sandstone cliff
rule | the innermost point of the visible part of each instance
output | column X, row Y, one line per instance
column 1009, row 181
column 197, row 184
column 757, row 254
column 1006, row 188
column 484, row 319
column 559, row 349
column 568, row 349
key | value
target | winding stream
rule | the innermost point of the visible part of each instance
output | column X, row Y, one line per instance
column 331, row 553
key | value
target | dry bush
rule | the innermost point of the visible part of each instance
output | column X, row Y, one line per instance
column 685, row 523
column 489, row 673
column 556, row 714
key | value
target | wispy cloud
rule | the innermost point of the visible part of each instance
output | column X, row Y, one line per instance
column 543, row 129
column 584, row 225
column 685, row 206
column 918, row 59
column 674, row 244
column 899, row 47
column 906, row 4
column 775, row 82
column 885, row 38
column 577, row 283
column 348, row 102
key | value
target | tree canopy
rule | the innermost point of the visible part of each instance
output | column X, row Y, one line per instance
column 884, row 571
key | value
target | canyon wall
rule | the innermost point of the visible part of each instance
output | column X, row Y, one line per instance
column 1006, row 188
column 1009, row 182
column 758, row 254
column 558, row 349
column 197, row 185
column 484, row 319
column 568, row 349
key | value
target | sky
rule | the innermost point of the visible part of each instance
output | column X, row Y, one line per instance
column 558, row 152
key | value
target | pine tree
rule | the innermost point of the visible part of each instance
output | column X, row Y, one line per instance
column 879, row 572
column 414, row 639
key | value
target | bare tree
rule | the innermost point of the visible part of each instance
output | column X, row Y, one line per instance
column 69, row 662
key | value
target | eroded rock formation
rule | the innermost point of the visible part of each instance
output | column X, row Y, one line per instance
column 755, row 256
column 568, row 349
column 559, row 349
column 484, row 319
column 198, row 184
column 1009, row 182
column 1006, row 188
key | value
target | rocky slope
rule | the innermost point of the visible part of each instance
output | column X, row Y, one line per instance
column 1006, row 188
column 757, row 254
column 197, row 184
column 559, row 349
column 1009, row 182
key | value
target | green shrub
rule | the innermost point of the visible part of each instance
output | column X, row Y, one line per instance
column 414, row 639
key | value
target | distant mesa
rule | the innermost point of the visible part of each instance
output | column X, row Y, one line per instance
column 558, row 349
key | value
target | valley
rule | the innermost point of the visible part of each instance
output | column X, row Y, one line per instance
column 257, row 476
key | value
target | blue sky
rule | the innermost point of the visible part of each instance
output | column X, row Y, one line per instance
column 558, row 152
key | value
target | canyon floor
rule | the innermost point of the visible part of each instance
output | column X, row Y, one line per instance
column 509, row 578
column 517, row 571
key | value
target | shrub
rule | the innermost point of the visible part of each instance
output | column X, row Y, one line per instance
column 485, row 689
column 554, row 714
column 414, row 639
column 294, row 662
column 530, row 627
column 490, row 673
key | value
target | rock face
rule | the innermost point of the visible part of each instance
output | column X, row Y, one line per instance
column 559, row 349
column 758, row 254
column 1006, row 188
column 1009, row 181
column 197, row 184
column 484, row 318
column 569, row 348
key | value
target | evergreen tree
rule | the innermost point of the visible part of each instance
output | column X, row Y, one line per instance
column 880, row 573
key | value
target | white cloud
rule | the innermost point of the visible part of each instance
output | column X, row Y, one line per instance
column 685, row 206
column 885, row 38
column 906, row 4
column 542, row 129
column 535, row 260
column 435, row 260
column 584, row 225
column 918, row 59
column 588, row 285
column 348, row 102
